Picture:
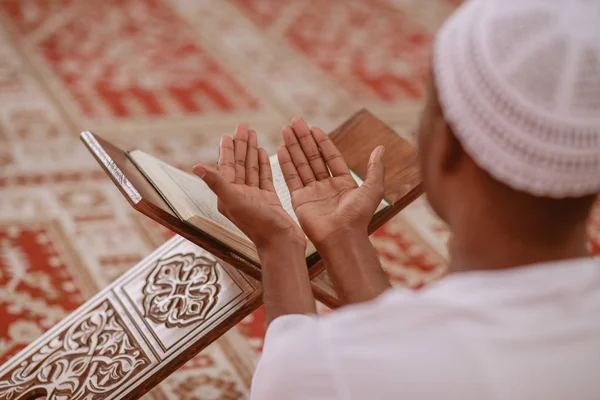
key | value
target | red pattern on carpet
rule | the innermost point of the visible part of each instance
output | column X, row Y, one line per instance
column 171, row 77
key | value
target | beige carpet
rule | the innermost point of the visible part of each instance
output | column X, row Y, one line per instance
column 171, row 77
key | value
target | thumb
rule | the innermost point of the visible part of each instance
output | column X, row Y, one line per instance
column 212, row 177
column 376, row 172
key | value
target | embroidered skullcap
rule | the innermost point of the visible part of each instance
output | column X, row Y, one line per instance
column 519, row 82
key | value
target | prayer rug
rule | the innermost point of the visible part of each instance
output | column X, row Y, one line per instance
column 170, row 77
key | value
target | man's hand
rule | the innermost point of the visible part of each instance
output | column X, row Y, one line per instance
column 243, row 182
column 327, row 203
column 333, row 211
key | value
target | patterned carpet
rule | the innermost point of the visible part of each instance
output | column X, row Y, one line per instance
column 171, row 77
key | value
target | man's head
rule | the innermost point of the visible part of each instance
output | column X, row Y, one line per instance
column 510, row 134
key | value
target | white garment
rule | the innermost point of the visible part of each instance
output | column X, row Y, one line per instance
column 527, row 333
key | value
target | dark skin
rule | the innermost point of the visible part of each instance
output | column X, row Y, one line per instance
column 244, row 185
column 333, row 211
column 493, row 226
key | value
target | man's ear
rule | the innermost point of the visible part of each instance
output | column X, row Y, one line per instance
column 451, row 153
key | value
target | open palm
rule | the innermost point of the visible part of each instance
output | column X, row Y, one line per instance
column 243, row 183
column 324, row 202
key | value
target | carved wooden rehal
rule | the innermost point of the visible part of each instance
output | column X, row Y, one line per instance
column 179, row 299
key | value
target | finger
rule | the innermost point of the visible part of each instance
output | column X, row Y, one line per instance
column 213, row 179
column 240, row 143
column 332, row 156
column 226, row 159
column 297, row 156
column 375, row 179
column 266, row 175
column 310, row 149
column 252, row 178
column 288, row 169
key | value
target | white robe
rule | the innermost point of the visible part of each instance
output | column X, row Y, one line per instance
column 521, row 334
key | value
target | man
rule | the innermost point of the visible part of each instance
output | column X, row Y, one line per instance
column 510, row 156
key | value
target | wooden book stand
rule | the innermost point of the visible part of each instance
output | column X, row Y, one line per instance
column 180, row 298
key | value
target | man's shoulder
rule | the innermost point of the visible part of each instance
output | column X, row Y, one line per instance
column 396, row 309
column 396, row 313
column 397, row 334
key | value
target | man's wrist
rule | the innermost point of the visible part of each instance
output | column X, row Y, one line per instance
column 342, row 238
column 292, row 246
column 286, row 285
column 353, row 265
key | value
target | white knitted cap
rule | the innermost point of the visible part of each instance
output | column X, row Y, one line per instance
column 519, row 82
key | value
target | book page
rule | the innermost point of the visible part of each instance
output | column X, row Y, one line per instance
column 199, row 194
column 281, row 187
column 187, row 194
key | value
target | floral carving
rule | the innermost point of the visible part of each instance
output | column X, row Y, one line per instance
column 181, row 290
column 88, row 361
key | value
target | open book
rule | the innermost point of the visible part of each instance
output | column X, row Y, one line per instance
column 194, row 203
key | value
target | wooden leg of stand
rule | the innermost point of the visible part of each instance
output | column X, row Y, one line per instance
column 137, row 331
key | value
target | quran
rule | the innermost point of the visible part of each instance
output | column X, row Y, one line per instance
column 196, row 205
column 183, row 203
